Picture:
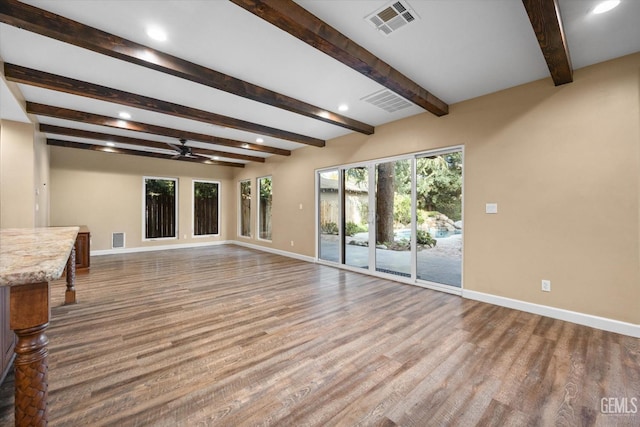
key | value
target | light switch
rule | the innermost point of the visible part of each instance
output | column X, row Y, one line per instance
column 491, row 208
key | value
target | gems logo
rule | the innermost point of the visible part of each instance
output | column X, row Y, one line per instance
column 619, row 405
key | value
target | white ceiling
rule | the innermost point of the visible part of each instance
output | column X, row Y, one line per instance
column 457, row 50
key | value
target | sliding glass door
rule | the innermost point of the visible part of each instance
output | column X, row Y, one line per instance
column 355, row 225
column 329, row 215
column 393, row 217
column 439, row 217
column 400, row 217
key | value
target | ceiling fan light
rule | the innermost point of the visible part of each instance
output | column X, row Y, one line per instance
column 605, row 6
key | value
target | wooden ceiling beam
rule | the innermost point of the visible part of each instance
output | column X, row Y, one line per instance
column 547, row 25
column 29, row 76
column 96, row 119
column 79, row 133
column 300, row 23
column 66, row 30
column 101, row 148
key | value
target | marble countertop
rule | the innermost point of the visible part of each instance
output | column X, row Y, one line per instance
column 33, row 255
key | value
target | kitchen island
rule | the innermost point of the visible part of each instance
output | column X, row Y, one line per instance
column 29, row 260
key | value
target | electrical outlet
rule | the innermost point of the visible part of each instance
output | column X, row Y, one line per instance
column 546, row 285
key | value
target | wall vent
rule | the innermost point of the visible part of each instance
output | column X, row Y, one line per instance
column 117, row 240
column 392, row 17
column 387, row 100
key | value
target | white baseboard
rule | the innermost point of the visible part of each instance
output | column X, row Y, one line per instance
column 274, row 251
column 597, row 322
column 156, row 248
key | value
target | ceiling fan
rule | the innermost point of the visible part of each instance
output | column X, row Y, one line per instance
column 183, row 150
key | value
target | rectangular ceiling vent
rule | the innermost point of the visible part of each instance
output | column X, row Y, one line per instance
column 392, row 17
column 387, row 100
column 117, row 240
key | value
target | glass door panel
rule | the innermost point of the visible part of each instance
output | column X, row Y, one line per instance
column 439, row 217
column 355, row 222
column 393, row 217
column 329, row 216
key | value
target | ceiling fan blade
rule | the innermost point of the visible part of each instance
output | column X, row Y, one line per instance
column 173, row 146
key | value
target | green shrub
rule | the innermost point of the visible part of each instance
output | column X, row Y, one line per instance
column 402, row 209
column 424, row 238
column 329, row 228
column 421, row 216
column 353, row 228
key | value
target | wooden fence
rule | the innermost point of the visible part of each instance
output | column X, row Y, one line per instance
column 160, row 219
column 205, row 212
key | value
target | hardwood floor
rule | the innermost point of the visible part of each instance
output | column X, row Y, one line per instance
column 229, row 336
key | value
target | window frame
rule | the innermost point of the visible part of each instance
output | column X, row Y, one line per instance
column 259, row 210
column 249, row 223
column 193, row 207
column 144, row 208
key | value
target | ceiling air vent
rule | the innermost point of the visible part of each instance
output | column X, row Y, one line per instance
column 392, row 17
column 387, row 100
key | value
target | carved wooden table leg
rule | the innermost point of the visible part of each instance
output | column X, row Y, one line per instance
column 30, row 313
column 70, row 293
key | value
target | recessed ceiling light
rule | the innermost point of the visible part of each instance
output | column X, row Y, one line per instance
column 216, row 158
column 259, row 140
column 343, row 107
column 605, row 6
column 111, row 144
column 124, row 115
column 157, row 34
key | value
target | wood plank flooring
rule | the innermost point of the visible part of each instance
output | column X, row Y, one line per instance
column 229, row 336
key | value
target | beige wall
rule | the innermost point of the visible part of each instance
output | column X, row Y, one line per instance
column 42, row 180
column 563, row 164
column 24, row 176
column 105, row 192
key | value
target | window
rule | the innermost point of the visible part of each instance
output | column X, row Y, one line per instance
column 206, row 208
column 329, row 215
column 264, row 207
column 160, row 208
column 400, row 216
column 245, row 208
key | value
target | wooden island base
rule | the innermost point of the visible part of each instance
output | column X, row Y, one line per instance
column 30, row 313
column 70, row 293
